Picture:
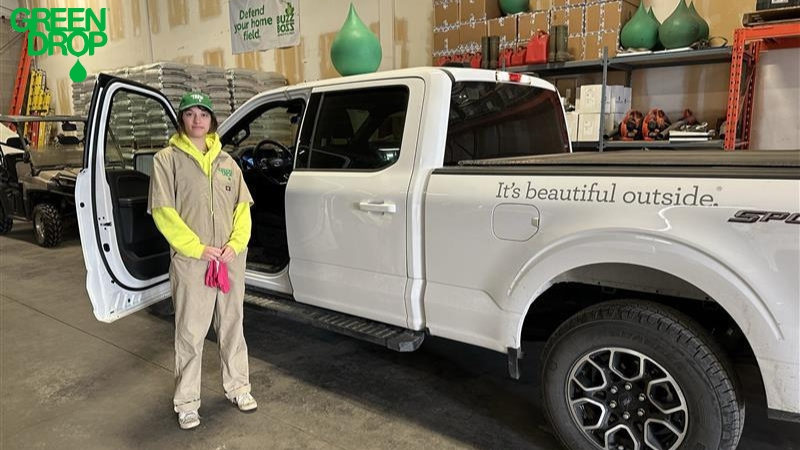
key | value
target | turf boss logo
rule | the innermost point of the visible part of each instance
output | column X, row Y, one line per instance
column 747, row 216
column 69, row 29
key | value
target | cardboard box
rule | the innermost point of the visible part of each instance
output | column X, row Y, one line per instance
column 506, row 28
column 594, row 18
column 559, row 17
column 589, row 125
column 575, row 20
column 445, row 15
column 575, row 46
column 595, row 42
column 617, row 14
column 539, row 5
column 445, row 42
column 618, row 99
column 528, row 23
column 479, row 10
column 609, row 16
column 572, row 126
column 470, row 35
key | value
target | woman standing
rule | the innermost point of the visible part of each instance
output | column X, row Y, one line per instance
column 200, row 203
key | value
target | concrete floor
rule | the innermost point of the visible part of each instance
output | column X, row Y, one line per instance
column 70, row 382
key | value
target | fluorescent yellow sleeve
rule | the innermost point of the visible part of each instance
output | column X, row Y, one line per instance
column 178, row 234
column 242, row 223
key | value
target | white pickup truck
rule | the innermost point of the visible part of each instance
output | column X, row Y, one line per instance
column 445, row 202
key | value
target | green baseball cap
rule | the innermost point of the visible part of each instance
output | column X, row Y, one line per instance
column 195, row 99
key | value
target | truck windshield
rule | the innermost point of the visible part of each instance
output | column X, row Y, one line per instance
column 498, row 120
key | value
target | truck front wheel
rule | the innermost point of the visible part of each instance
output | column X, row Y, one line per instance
column 47, row 225
column 630, row 375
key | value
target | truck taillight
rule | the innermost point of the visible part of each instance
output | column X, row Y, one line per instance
column 509, row 77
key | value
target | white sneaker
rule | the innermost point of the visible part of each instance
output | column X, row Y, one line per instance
column 188, row 419
column 245, row 402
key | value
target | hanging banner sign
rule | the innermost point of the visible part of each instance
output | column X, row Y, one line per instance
column 263, row 24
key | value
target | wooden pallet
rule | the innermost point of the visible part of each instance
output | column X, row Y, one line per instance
column 777, row 15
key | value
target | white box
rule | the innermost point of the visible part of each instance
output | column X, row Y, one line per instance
column 572, row 126
column 589, row 125
column 618, row 99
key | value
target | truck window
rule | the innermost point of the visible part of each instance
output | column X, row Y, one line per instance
column 358, row 130
column 498, row 120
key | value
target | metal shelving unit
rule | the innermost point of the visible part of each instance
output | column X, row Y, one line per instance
column 628, row 64
column 747, row 45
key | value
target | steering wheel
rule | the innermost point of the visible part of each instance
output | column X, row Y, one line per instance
column 276, row 168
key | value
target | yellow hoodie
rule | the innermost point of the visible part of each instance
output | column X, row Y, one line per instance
column 168, row 221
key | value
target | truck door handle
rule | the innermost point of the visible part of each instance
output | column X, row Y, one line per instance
column 378, row 207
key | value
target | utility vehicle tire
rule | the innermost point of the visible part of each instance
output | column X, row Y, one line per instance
column 625, row 375
column 6, row 223
column 47, row 225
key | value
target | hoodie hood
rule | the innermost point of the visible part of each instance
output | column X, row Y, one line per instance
column 183, row 143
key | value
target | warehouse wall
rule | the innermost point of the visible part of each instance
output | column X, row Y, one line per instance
column 197, row 31
column 777, row 101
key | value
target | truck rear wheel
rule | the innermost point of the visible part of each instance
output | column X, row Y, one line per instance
column 635, row 375
column 47, row 225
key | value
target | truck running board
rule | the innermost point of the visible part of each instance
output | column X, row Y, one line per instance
column 392, row 337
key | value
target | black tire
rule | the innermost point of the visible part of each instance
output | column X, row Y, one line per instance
column 47, row 225
column 6, row 223
column 582, row 387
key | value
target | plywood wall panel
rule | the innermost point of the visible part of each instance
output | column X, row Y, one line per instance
column 289, row 62
column 154, row 16
column 210, row 9
column 401, row 53
column 115, row 15
column 136, row 18
column 64, row 97
column 249, row 60
column 178, row 13
column 326, row 69
column 214, row 58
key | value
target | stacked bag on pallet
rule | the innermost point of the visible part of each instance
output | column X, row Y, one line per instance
column 212, row 81
column 243, row 84
column 140, row 123
column 151, row 127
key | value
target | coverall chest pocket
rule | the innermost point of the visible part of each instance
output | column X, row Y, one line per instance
column 225, row 188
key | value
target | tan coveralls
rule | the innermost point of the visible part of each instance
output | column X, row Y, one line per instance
column 207, row 207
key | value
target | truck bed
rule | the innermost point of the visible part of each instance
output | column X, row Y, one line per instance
column 771, row 164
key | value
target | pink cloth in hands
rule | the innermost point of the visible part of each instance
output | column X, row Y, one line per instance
column 217, row 276
column 211, row 274
column 222, row 278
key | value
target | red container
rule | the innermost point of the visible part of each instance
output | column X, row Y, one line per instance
column 505, row 58
column 518, row 58
column 536, row 52
column 475, row 60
